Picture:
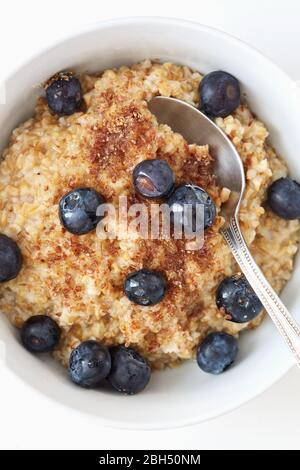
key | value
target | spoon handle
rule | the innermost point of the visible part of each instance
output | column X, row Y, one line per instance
column 268, row 297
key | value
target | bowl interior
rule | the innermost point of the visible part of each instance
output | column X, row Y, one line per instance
column 183, row 395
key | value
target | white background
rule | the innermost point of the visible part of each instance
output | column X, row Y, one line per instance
column 29, row 420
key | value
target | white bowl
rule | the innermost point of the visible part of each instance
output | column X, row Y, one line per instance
column 185, row 395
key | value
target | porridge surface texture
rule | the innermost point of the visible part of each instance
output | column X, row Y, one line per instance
column 78, row 280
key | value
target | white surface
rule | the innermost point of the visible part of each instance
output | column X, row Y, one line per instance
column 269, row 421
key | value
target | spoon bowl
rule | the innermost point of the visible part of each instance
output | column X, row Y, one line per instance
column 198, row 129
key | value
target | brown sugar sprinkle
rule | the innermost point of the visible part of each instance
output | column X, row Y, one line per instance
column 78, row 247
column 108, row 96
column 119, row 136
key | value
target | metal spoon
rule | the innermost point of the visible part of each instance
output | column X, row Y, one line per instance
column 197, row 128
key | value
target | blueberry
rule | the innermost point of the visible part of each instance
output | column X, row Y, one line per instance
column 219, row 94
column 284, row 198
column 77, row 210
column 89, row 364
column 64, row 94
column 196, row 198
column 10, row 259
column 153, row 178
column 130, row 372
column 217, row 352
column 145, row 287
column 40, row 333
column 238, row 300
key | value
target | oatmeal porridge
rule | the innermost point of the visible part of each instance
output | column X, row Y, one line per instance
column 78, row 281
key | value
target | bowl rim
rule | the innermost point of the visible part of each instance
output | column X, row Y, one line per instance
column 181, row 23
column 103, row 24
